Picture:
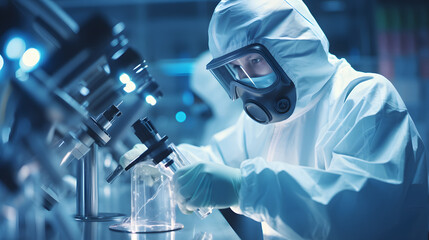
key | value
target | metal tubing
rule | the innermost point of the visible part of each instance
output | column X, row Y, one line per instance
column 87, row 191
column 87, row 185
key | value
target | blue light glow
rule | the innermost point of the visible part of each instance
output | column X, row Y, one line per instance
column 188, row 98
column 124, row 78
column 150, row 99
column 29, row 59
column 177, row 67
column 15, row 48
column 129, row 87
column 119, row 53
column 180, row 117
column 21, row 75
column 118, row 28
column 84, row 91
column 106, row 69
column 1, row 62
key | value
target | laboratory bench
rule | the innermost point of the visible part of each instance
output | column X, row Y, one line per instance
column 212, row 227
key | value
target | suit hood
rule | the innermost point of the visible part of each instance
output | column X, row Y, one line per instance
column 290, row 33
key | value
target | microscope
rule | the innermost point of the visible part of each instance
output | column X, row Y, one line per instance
column 63, row 86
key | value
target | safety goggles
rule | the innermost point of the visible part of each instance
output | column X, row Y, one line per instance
column 251, row 67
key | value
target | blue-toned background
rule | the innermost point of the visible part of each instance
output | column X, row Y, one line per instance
column 388, row 37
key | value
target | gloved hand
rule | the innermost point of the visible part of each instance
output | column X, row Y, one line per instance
column 147, row 170
column 206, row 184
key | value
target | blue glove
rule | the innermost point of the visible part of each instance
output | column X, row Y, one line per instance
column 206, row 184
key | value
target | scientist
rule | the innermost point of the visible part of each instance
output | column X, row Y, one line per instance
column 323, row 151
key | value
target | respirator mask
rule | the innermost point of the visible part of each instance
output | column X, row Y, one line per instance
column 253, row 75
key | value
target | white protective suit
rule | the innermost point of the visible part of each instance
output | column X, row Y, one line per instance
column 349, row 162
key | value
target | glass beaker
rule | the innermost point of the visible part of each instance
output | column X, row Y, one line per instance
column 152, row 202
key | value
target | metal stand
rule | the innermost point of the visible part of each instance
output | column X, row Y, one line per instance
column 87, row 191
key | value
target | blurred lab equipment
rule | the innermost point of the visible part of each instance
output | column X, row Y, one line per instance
column 62, row 88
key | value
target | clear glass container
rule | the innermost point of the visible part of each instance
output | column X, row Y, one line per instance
column 152, row 202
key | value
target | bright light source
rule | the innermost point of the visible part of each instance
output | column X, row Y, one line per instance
column 180, row 116
column 118, row 28
column 138, row 71
column 30, row 59
column 119, row 53
column 15, row 48
column 84, row 91
column 106, row 69
column 150, row 99
column 1, row 62
column 129, row 87
column 124, row 78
